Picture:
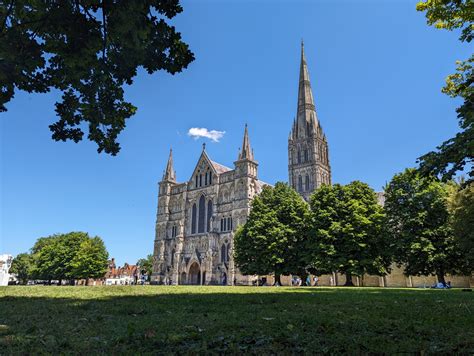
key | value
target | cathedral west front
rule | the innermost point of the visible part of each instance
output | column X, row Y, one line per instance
column 197, row 219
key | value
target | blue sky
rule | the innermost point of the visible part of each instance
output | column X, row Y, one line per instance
column 376, row 70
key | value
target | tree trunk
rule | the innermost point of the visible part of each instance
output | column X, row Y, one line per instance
column 87, row 281
column 60, row 282
column 349, row 280
column 303, row 277
column 277, row 280
column 440, row 275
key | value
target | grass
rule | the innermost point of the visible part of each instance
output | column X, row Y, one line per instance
column 191, row 319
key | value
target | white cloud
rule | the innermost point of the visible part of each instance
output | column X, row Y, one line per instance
column 213, row 135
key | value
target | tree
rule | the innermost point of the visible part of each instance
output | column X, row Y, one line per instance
column 22, row 266
column 91, row 260
column 458, row 152
column 419, row 225
column 53, row 255
column 146, row 265
column 462, row 218
column 346, row 231
column 89, row 50
column 272, row 239
column 45, row 256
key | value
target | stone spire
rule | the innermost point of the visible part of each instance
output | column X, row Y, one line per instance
column 247, row 152
column 308, row 158
column 306, row 111
column 170, row 174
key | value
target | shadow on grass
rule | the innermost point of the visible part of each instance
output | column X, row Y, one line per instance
column 240, row 319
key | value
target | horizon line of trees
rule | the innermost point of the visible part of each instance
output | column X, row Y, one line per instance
column 425, row 225
column 59, row 257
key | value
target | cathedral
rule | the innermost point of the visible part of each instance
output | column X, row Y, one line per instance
column 197, row 219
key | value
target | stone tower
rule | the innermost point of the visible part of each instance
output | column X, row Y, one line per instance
column 308, row 156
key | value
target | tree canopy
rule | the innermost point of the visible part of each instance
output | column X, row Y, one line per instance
column 22, row 266
column 457, row 153
column 88, row 50
column 346, row 231
column 461, row 207
column 91, row 259
column 272, row 239
column 419, row 225
column 74, row 255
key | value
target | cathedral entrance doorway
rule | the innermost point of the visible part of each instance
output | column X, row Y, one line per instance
column 194, row 274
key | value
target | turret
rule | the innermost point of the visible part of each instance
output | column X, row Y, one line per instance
column 246, row 164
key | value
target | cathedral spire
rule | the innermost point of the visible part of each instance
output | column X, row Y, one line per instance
column 247, row 152
column 170, row 174
column 306, row 112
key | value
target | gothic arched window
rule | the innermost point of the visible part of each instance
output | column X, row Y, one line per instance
column 223, row 253
column 228, row 252
column 196, row 181
column 193, row 219
column 205, row 180
column 210, row 178
column 306, row 183
column 299, row 156
column 306, row 158
column 300, row 184
column 172, row 258
column 209, row 215
column 202, row 214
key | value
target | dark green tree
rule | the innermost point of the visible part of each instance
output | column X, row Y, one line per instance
column 45, row 258
column 89, row 50
column 462, row 218
column 456, row 153
column 419, row 225
column 146, row 265
column 272, row 240
column 22, row 266
column 53, row 255
column 346, row 232
column 90, row 260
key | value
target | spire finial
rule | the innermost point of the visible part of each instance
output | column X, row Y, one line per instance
column 306, row 111
column 203, row 146
column 169, row 173
column 246, row 152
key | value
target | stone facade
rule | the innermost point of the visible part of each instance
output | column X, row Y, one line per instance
column 196, row 220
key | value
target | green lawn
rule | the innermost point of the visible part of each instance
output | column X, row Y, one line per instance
column 188, row 319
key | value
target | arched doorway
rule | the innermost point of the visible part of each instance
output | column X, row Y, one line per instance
column 194, row 274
